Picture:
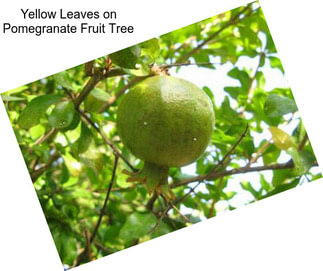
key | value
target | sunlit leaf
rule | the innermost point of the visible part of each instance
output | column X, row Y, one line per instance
column 126, row 58
column 7, row 98
column 276, row 63
column 303, row 160
column 150, row 48
column 62, row 115
column 137, row 225
column 277, row 105
column 35, row 109
column 281, row 139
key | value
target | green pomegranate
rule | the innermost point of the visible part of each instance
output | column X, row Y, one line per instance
column 166, row 122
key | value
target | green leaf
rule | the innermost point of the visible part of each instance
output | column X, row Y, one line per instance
column 7, row 98
column 64, row 174
column 162, row 229
column 271, row 154
column 85, row 138
column 34, row 110
column 280, row 176
column 150, row 48
column 261, row 81
column 234, row 92
column 303, row 160
column 37, row 131
column 248, row 187
column 142, row 69
column 126, row 58
column 265, row 185
column 62, row 115
column 276, row 63
column 92, row 158
column 71, row 211
column 270, row 46
column 276, row 106
column 95, row 100
column 137, row 225
column 282, row 187
column 249, row 37
column 64, row 79
column 242, row 76
column 74, row 123
column 17, row 90
column 227, row 112
column 92, row 175
column 203, row 57
column 66, row 245
column 209, row 93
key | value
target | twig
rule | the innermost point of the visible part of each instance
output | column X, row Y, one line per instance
column 33, row 164
column 43, row 138
column 150, row 203
column 232, row 21
column 259, row 153
column 106, row 140
column 88, row 243
column 230, row 151
column 303, row 143
column 170, row 206
column 188, row 63
column 81, row 257
column 46, row 136
column 209, row 215
column 97, row 128
column 178, row 211
column 164, row 213
column 36, row 173
column 103, row 209
column 252, row 79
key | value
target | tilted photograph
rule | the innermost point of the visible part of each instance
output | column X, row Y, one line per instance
column 161, row 135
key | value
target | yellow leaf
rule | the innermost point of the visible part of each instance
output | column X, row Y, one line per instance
column 281, row 139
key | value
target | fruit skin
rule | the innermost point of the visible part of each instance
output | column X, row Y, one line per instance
column 165, row 121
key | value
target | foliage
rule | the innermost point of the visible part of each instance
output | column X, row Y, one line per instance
column 66, row 128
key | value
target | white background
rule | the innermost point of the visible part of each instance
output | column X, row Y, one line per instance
column 283, row 232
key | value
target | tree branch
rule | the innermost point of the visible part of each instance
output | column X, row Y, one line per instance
column 235, row 171
column 86, row 90
column 97, row 76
